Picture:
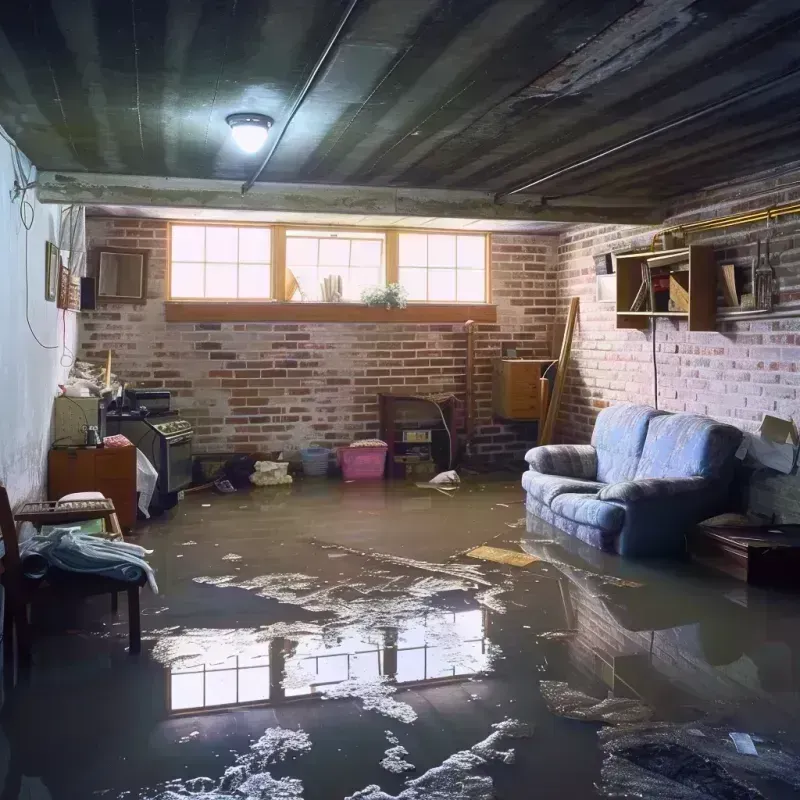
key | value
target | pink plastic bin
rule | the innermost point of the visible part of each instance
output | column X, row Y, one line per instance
column 362, row 463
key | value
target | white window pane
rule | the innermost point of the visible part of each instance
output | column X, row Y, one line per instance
column 253, row 684
column 187, row 280
column 440, row 663
column 222, row 244
column 360, row 279
column 331, row 668
column 469, row 624
column 366, row 253
column 413, row 250
column 334, row 252
column 220, row 280
column 186, row 691
column 441, row 251
column 306, row 278
column 471, row 252
column 301, row 251
column 471, row 286
column 415, row 282
column 365, row 666
column 188, row 242
column 442, row 285
column 470, row 658
column 221, row 688
column 410, row 665
column 254, row 245
column 254, row 280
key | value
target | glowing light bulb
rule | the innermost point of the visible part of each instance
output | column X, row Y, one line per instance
column 249, row 131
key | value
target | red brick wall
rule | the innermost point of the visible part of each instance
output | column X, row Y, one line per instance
column 734, row 374
column 272, row 386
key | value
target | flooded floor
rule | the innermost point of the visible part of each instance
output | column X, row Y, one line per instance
column 328, row 641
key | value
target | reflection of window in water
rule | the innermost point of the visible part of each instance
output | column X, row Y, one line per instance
column 234, row 680
column 313, row 666
column 441, row 644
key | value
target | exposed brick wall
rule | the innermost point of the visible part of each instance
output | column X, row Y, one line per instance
column 272, row 386
column 735, row 374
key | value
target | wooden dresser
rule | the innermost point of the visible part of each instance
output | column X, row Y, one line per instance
column 110, row 470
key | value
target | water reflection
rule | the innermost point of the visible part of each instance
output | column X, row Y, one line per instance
column 440, row 645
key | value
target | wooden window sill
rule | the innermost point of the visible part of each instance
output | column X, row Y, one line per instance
column 242, row 311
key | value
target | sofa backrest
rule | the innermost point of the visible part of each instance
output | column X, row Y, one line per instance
column 619, row 436
column 686, row 446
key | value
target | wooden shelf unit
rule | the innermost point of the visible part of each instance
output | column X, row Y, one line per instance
column 702, row 314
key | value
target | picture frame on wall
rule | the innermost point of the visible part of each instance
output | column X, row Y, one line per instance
column 52, row 270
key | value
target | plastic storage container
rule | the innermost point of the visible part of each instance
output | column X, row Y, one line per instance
column 315, row 461
column 362, row 463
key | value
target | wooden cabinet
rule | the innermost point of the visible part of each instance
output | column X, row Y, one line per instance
column 696, row 284
column 110, row 470
column 515, row 387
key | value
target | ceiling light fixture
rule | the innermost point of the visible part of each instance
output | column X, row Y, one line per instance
column 249, row 131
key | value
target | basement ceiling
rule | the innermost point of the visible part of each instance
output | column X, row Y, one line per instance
column 485, row 95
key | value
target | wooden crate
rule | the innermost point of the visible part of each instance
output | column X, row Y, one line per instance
column 515, row 387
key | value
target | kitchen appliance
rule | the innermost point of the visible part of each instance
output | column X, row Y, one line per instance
column 166, row 439
column 75, row 417
column 156, row 401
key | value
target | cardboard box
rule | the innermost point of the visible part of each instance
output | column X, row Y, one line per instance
column 775, row 444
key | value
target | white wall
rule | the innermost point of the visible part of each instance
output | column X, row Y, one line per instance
column 29, row 374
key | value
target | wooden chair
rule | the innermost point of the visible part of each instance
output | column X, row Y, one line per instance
column 61, row 584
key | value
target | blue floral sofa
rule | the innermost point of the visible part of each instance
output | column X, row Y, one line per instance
column 644, row 480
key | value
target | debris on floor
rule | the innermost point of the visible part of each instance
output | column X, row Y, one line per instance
column 690, row 762
column 502, row 556
column 567, row 702
column 455, row 778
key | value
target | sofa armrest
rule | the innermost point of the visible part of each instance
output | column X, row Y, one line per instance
column 566, row 460
column 632, row 491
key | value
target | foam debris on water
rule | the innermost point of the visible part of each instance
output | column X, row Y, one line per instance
column 455, row 777
column 489, row 599
column 391, row 738
column 566, row 634
column 394, row 760
column 248, row 778
column 375, row 694
column 464, row 571
column 567, row 702
column 231, row 557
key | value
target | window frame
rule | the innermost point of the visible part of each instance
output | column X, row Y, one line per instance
column 219, row 224
column 278, row 308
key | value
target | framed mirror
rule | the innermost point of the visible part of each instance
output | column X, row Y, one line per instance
column 121, row 275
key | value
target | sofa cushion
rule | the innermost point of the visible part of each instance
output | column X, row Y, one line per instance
column 685, row 446
column 545, row 487
column 619, row 437
column 570, row 460
column 588, row 510
column 595, row 537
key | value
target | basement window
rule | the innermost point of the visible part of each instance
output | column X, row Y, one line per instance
column 443, row 268
column 358, row 258
column 220, row 262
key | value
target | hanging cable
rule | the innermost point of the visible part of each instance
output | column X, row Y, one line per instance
column 655, row 368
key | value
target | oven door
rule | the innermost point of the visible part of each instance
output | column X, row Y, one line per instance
column 176, row 463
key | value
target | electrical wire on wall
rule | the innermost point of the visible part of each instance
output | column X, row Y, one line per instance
column 655, row 366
